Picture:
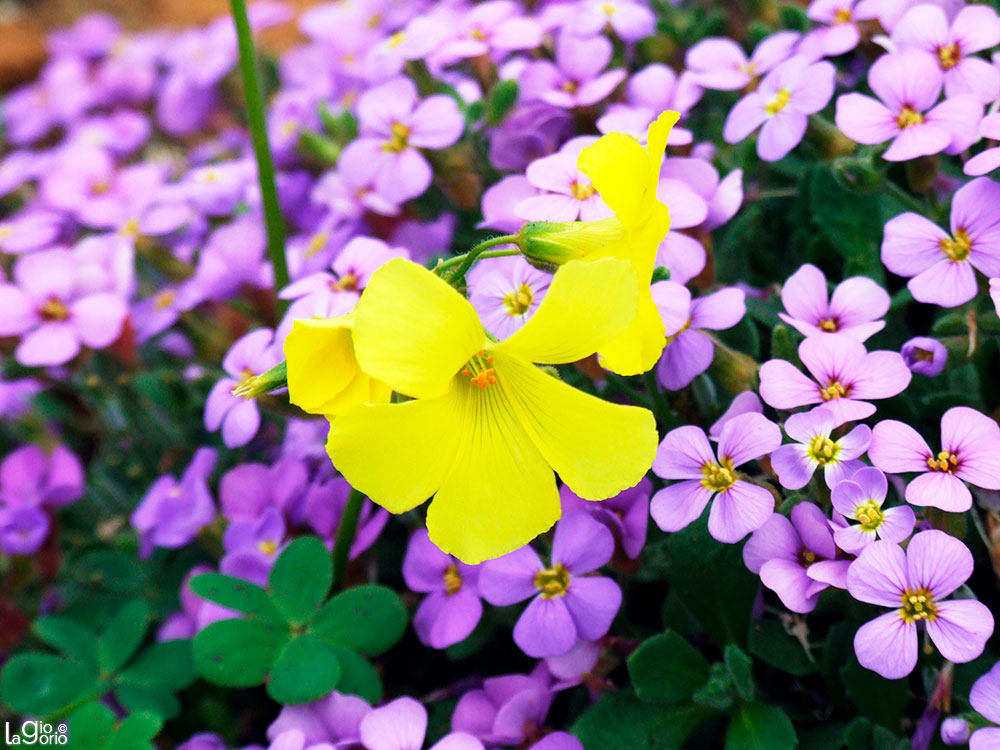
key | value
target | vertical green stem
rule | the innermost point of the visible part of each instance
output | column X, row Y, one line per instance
column 345, row 536
column 261, row 149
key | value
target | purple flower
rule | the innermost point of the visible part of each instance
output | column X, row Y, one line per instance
column 685, row 454
column 566, row 602
column 567, row 193
column 908, row 85
column 30, row 476
column 985, row 698
column 914, row 584
column 494, row 26
column 232, row 256
column 814, row 448
column 172, row 513
column 452, row 608
column 29, row 231
column 532, row 130
column 402, row 724
column 723, row 197
column 925, row 356
column 253, row 546
column 860, row 499
column 970, row 452
column 183, row 625
column 23, row 530
column 247, row 490
column 942, row 265
column 855, row 309
column 575, row 79
column 988, row 159
column 500, row 202
column 626, row 514
column 841, row 34
column 689, row 352
column 569, row 669
column 781, row 106
column 335, row 718
column 796, row 558
column 323, row 506
column 239, row 418
column 630, row 19
column 649, row 91
column 155, row 314
column 394, row 124
column 506, row 711
column 203, row 741
column 951, row 45
column 745, row 403
column 720, row 63
column 506, row 292
column 955, row 731
column 844, row 375
column 53, row 317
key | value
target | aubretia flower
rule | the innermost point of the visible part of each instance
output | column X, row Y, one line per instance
column 943, row 265
column 630, row 19
column 567, row 194
column 814, row 448
column 626, row 514
column 781, row 105
column 506, row 711
column 988, row 159
column 860, row 499
column 688, row 352
column 402, row 725
column 239, row 419
column 744, row 403
column 685, row 454
column 720, row 63
column 925, row 356
column 575, row 79
column 844, row 376
column 855, row 309
column 506, row 292
column 908, row 85
column 796, row 558
column 915, row 583
column 495, row 25
column 567, row 604
column 335, row 718
column 970, row 452
column 394, row 124
column 29, row 231
column 841, row 33
column 31, row 476
column 452, row 608
column 252, row 546
column 955, row 731
column 985, row 698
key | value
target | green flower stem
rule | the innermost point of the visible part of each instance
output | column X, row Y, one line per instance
column 464, row 262
column 346, row 529
column 261, row 148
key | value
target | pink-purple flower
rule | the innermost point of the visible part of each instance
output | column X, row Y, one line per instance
column 506, row 292
column 861, row 499
column 577, row 77
column 925, row 356
column 626, row 514
column 720, row 63
column 985, row 698
column 402, row 725
column 854, row 309
column 814, row 448
column 507, row 710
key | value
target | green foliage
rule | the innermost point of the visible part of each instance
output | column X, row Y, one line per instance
column 755, row 726
column 93, row 727
column 620, row 721
column 667, row 669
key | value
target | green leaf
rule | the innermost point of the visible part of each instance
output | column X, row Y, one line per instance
column 369, row 619
column 91, row 726
column 238, row 653
column 39, row 684
column 740, row 668
column 862, row 734
column 236, row 593
column 69, row 636
column 770, row 643
column 139, row 698
column 501, row 100
column 620, row 721
column 357, row 675
column 168, row 665
column 135, row 732
column 666, row 669
column 758, row 727
column 717, row 692
column 123, row 635
column 881, row 699
column 305, row 670
column 300, row 579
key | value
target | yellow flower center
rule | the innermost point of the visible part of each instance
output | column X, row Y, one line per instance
column 957, row 248
column 518, row 301
column 53, row 311
column 806, row 557
column 750, row 68
column 478, row 372
column 267, row 547
column 399, row 140
column 479, row 34
column 823, row 450
column 869, row 515
column 945, row 461
column 208, row 176
column 552, row 582
column 949, row 56
column 569, row 86
column 164, row 299
column 581, row 190
column 842, row 16
column 918, row 604
column 396, row 39
column 316, row 243
column 452, row 580
column 130, row 228
column 718, row 477
column 834, row 389
column 6, row 231
column 673, row 337
column 346, row 283
column 609, row 9
column 100, row 188
column 778, row 103
column 909, row 116
column 829, row 324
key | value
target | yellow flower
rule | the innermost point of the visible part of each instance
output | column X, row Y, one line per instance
column 486, row 427
column 323, row 372
column 626, row 175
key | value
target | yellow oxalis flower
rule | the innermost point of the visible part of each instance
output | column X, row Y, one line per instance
column 323, row 372
column 487, row 427
column 626, row 175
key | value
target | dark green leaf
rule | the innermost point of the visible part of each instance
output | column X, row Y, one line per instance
column 758, row 727
column 501, row 100
column 770, row 642
column 881, row 699
column 38, row 684
column 168, row 665
column 357, row 676
column 139, row 698
column 301, row 578
column 236, row 593
column 305, row 670
column 71, row 637
column 368, row 618
column 135, row 732
column 123, row 635
column 91, row 726
column 620, row 721
column 717, row 692
column 740, row 667
column 862, row 734
column 238, row 653
column 666, row 669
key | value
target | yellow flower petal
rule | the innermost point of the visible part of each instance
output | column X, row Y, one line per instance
column 636, row 349
column 398, row 454
column 618, row 166
column 656, row 141
column 321, row 363
column 586, row 306
column 597, row 448
column 413, row 331
column 500, row 493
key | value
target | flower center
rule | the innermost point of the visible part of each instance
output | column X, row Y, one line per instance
column 346, row 283
column 581, row 190
column 945, row 461
column 718, row 477
column 569, row 86
column 834, row 389
column 869, row 515
column 399, row 140
column 100, row 187
column 478, row 372
column 957, row 248
column 922, row 355
column 949, row 55
column 908, row 116
column 918, row 604
column 396, row 39
column 53, row 311
column 829, row 324
column 6, row 231
column 267, row 547
column 316, row 243
column 823, row 450
column 552, row 582
column 518, row 301
column 452, row 580
column 164, row 299
column 778, row 103
column 843, row 15
column 130, row 228
column 479, row 35
column 673, row 337
column 806, row 557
